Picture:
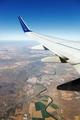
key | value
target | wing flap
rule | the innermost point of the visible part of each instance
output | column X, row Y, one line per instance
column 39, row 47
column 53, row 59
column 77, row 67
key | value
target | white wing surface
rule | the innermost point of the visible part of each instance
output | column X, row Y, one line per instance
column 65, row 51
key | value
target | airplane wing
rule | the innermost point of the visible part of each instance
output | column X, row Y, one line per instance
column 65, row 51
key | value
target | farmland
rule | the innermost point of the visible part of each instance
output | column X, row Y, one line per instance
column 45, row 100
column 39, row 106
column 37, row 110
column 38, row 119
column 46, row 97
column 43, row 110
column 44, row 114
column 54, row 106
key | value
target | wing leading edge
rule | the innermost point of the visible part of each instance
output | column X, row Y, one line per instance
column 65, row 51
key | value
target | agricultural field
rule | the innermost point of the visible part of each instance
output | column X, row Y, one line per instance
column 44, row 114
column 45, row 100
column 37, row 114
column 38, row 119
column 54, row 106
column 37, row 110
column 39, row 106
column 46, row 97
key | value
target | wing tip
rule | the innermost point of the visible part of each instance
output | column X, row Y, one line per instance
column 23, row 24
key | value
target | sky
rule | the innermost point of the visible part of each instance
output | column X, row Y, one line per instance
column 57, row 18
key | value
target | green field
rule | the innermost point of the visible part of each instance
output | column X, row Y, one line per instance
column 54, row 106
column 34, row 118
column 46, row 97
column 44, row 114
column 39, row 106
column 45, row 100
column 38, row 119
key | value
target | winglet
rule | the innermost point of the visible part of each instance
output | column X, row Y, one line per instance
column 23, row 24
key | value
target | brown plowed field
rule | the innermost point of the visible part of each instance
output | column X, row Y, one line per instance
column 37, row 114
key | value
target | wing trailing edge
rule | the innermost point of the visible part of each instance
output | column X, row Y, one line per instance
column 53, row 59
column 39, row 47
